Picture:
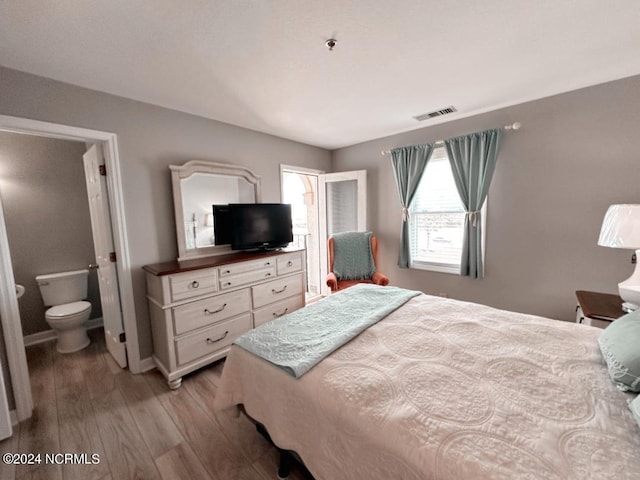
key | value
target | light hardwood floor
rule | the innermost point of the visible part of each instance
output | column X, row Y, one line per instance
column 84, row 403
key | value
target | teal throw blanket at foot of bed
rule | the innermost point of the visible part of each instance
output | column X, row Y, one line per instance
column 298, row 341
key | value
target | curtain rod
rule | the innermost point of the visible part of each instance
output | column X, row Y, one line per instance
column 511, row 126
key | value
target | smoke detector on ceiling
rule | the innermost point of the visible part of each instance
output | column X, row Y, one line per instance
column 331, row 43
column 437, row 113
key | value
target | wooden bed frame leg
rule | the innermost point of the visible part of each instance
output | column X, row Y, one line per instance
column 287, row 458
column 284, row 469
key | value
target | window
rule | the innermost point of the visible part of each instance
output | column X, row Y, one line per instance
column 436, row 218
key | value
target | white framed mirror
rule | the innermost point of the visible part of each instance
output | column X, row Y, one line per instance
column 197, row 186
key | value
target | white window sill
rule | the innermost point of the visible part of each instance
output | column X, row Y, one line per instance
column 437, row 267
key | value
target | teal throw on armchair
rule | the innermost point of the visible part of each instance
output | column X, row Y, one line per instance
column 353, row 259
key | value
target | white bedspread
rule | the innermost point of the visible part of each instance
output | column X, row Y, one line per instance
column 448, row 390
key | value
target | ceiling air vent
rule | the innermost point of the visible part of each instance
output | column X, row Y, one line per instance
column 437, row 113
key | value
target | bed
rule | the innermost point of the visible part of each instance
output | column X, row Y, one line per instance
column 448, row 390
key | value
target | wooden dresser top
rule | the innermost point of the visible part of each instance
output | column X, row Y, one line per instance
column 174, row 266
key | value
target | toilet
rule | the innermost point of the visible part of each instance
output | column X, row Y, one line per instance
column 65, row 293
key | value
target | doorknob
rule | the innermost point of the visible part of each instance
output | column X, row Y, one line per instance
column 94, row 266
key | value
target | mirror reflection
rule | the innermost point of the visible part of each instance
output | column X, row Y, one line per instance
column 197, row 186
column 199, row 192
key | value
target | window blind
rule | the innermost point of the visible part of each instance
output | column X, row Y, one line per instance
column 436, row 217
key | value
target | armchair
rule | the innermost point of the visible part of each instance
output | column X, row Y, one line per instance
column 353, row 258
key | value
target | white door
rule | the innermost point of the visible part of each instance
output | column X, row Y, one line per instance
column 10, row 313
column 5, row 419
column 342, row 198
column 13, row 341
column 105, row 254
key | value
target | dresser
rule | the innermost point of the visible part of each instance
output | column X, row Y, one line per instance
column 199, row 307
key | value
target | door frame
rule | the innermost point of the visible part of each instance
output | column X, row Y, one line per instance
column 14, row 341
column 316, row 173
column 358, row 176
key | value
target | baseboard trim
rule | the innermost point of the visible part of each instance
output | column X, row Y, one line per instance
column 49, row 335
column 147, row 364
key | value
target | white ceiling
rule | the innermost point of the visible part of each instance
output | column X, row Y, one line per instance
column 263, row 64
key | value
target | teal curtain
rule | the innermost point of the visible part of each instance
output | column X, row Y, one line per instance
column 408, row 166
column 473, row 161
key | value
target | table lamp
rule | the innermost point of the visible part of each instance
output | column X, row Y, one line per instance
column 621, row 229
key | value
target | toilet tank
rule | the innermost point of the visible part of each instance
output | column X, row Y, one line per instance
column 63, row 287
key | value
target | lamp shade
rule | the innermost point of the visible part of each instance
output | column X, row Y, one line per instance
column 621, row 227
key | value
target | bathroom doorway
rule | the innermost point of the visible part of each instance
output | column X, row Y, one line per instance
column 47, row 219
column 9, row 311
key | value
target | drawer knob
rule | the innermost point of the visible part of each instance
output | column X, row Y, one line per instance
column 227, row 271
column 276, row 315
column 274, row 291
column 289, row 263
column 266, row 264
column 194, row 284
column 226, row 284
column 209, row 341
column 211, row 312
column 268, row 274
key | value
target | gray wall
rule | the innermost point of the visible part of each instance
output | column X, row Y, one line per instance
column 575, row 154
column 150, row 139
column 44, row 196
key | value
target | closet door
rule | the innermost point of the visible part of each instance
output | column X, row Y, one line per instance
column 342, row 198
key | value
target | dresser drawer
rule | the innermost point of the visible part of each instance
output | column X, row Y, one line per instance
column 191, row 284
column 275, row 290
column 242, row 267
column 232, row 281
column 211, row 339
column 277, row 309
column 210, row 310
column 289, row 263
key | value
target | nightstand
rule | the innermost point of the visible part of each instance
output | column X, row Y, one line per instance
column 598, row 309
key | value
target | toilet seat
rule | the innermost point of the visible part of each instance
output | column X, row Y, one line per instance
column 68, row 309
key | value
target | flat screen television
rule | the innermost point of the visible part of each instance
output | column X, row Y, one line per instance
column 260, row 226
